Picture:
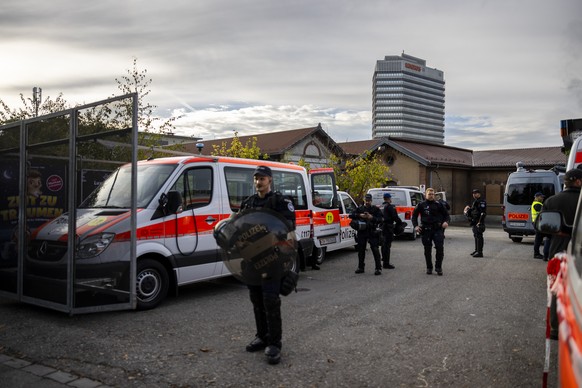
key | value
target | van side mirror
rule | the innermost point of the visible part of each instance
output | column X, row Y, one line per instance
column 173, row 202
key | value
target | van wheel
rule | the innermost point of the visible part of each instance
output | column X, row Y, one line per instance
column 516, row 239
column 319, row 255
column 151, row 283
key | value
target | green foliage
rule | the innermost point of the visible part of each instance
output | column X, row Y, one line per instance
column 249, row 150
column 305, row 164
column 137, row 81
column 28, row 110
column 358, row 175
column 151, row 128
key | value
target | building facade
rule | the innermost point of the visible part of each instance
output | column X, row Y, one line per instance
column 408, row 100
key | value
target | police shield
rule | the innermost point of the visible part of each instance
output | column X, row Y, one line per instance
column 257, row 245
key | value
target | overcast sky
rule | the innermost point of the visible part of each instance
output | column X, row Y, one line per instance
column 513, row 68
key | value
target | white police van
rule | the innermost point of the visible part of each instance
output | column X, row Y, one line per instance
column 404, row 200
column 179, row 202
column 519, row 194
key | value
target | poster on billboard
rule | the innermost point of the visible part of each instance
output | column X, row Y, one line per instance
column 46, row 197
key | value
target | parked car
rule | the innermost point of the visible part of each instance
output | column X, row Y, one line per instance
column 404, row 200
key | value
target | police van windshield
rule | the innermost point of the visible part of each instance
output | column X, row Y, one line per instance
column 115, row 191
column 523, row 193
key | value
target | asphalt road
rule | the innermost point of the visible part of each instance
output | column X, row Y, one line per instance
column 482, row 324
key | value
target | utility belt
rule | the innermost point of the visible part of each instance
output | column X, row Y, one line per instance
column 434, row 226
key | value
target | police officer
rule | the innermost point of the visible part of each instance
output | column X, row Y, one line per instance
column 536, row 208
column 434, row 218
column 566, row 203
column 265, row 297
column 476, row 215
column 390, row 217
column 372, row 216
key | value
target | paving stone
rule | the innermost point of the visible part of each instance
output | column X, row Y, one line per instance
column 85, row 383
column 16, row 363
column 4, row 358
column 62, row 377
column 39, row 370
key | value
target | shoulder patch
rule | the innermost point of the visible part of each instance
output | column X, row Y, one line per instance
column 290, row 206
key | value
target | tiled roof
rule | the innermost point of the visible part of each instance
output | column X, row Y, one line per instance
column 424, row 153
column 355, row 148
column 429, row 153
column 438, row 154
column 277, row 143
column 273, row 143
column 539, row 157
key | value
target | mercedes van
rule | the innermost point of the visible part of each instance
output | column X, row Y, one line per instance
column 519, row 194
column 404, row 200
column 179, row 202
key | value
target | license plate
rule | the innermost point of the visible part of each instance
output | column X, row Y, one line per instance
column 327, row 240
column 517, row 224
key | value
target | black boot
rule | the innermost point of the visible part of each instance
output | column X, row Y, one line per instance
column 428, row 258
column 260, row 341
column 273, row 354
column 480, row 244
column 377, row 259
column 273, row 350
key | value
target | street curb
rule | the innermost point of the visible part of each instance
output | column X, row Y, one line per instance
column 34, row 374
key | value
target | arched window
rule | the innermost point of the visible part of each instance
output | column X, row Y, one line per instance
column 312, row 149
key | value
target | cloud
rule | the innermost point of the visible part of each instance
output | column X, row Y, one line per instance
column 221, row 121
column 512, row 69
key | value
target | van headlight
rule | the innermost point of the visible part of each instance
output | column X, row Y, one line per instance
column 94, row 245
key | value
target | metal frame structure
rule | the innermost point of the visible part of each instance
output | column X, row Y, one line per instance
column 25, row 152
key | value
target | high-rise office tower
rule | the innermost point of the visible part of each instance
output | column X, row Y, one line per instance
column 408, row 100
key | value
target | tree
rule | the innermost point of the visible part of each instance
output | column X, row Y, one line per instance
column 8, row 115
column 151, row 128
column 249, row 150
column 358, row 175
column 99, row 119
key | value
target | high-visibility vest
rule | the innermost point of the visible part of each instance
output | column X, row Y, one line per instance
column 534, row 212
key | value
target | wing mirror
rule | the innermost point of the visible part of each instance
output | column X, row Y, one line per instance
column 171, row 203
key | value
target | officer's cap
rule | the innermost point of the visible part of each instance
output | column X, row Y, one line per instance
column 368, row 197
column 476, row 191
column 263, row 171
column 539, row 194
column 387, row 195
column 573, row 174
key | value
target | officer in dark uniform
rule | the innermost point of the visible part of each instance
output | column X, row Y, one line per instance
column 390, row 217
column 372, row 216
column 566, row 203
column 434, row 218
column 476, row 214
column 265, row 297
